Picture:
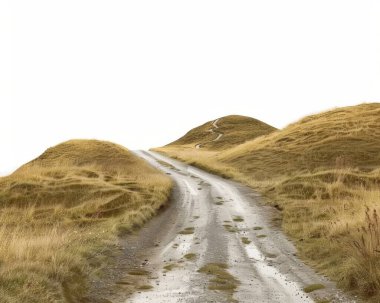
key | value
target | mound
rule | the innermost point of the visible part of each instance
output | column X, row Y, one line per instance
column 60, row 214
column 79, row 172
column 223, row 133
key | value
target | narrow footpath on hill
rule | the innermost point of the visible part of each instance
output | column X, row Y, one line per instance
column 220, row 244
column 213, row 130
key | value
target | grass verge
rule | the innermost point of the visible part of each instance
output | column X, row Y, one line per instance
column 60, row 216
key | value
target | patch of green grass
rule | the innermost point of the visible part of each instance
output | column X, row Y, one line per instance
column 238, row 219
column 196, row 217
column 245, row 240
column 170, row 267
column 257, row 228
column 261, row 236
column 190, row 256
column 138, row 272
column 145, row 287
column 230, row 228
column 219, row 203
column 313, row 287
column 222, row 280
column 187, row 231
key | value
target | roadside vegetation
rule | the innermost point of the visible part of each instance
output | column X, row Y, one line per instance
column 323, row 174
column 221, row 279
column 60, row 216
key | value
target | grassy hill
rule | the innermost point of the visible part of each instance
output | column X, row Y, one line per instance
column 60, row 212
column 233, row 129
column 323, row 174
column 348, row 137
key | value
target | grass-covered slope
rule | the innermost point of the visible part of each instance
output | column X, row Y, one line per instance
column 60, row 212
column 323, row 173
column 345, row 137
column 234, row 130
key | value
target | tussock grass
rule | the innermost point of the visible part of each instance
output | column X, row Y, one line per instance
column 138, row 272
column 187, row 231
column 60, row 214
column 313, row 287
column 261, row 236
column 145, row 287
column 170, row 267
column 245, row 240
column 230, row 228
column 190, row 256
column 238, row 219
column 323, row 174
column 222, row 280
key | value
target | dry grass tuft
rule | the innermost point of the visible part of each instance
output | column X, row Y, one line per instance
column 190, row 256
column 187, row 231
column 222, row 280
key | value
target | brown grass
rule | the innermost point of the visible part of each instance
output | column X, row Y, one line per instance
column 60, row 215
column 323, row 174
column 235, row 129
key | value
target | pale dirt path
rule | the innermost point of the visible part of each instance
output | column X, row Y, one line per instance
column 267, row 268
column 214, row 131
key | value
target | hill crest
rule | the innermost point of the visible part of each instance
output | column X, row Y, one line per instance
column 224, row 132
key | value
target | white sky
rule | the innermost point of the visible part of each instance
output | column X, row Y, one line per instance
column 141, row 73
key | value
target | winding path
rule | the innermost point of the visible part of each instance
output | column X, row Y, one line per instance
column 214, row 131
column 219, row 221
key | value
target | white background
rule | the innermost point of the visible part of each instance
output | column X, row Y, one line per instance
column 141, row 73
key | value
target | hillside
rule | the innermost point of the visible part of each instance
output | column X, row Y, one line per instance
column 61, row 211
column 344, row 137
column 323, row 174
column 223, row 133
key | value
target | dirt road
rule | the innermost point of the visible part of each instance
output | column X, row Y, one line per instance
column 219, row 221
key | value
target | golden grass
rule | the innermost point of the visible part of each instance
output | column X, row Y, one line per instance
column 323, row 174
column 235, row 129
column 60, row 214
column 345, row 137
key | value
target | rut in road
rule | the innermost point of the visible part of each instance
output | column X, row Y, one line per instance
column 222, row 222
